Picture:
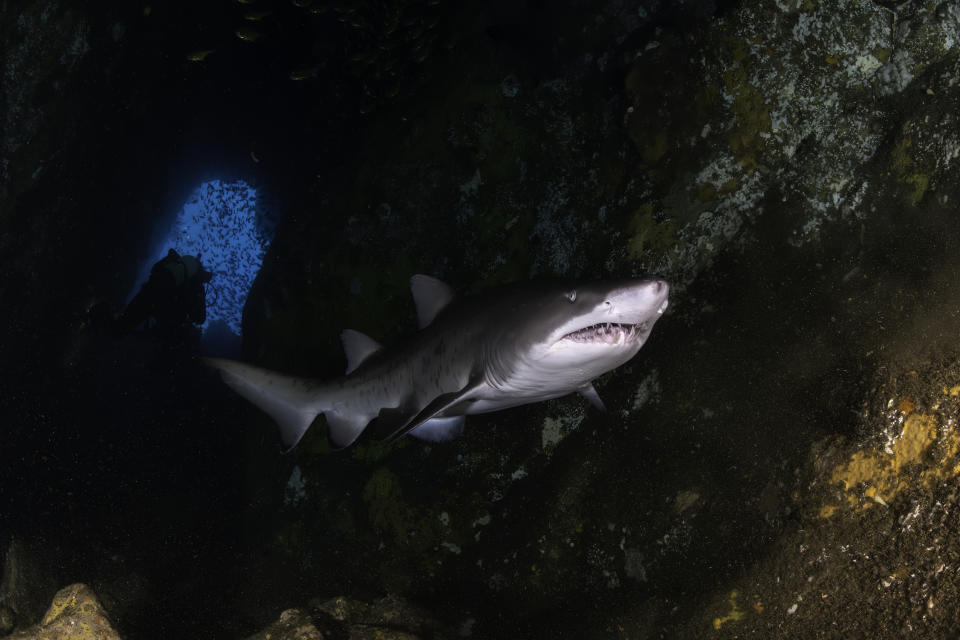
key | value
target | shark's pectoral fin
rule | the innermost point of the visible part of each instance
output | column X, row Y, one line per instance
column 588, row 392
column 439, row 429
column 393, row 423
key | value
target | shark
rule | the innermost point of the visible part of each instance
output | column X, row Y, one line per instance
column 509, row 346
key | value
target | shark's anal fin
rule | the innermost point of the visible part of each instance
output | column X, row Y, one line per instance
column 430, row 297
column 588, row 392
column 393, row 423
column 357, row 347
column 342, row 431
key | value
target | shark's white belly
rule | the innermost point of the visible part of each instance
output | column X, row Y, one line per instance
column 528, row 384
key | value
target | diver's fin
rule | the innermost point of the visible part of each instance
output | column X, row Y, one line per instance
column 439, row 429
column 588, row 392
column 358, row 347
column 430, row 297
column 292, row 402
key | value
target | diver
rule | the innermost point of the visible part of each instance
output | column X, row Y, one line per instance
column 174, row 297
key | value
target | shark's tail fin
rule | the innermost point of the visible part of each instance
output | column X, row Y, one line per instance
column 292, row 402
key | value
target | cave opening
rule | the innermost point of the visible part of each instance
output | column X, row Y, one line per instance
column 228, row 225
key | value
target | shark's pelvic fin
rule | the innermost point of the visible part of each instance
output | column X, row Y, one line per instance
column 440, row 429
column 396, row 422
column 358, row 347
column 590, row 393
column 430, row 297
column 292, row 402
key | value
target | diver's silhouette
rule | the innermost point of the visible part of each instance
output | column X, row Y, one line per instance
column 174, row 296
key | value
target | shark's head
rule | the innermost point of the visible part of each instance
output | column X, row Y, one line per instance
column 604, row 322
column 576, row 332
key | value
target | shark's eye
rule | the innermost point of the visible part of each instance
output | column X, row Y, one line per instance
column 571, row 295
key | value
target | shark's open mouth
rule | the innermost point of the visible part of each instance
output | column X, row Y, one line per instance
column 609, row 333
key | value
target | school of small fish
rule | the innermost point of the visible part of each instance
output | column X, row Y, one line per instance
column 223, row 225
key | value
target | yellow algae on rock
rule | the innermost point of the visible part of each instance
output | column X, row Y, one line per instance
column 906, row 406
column 882, row 476
column 74, row 614
column 948, row 461
column 864, row 466
column 735, row 612
column 919, row 432
column 827, row 511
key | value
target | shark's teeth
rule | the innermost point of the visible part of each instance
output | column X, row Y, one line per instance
column 608, row 333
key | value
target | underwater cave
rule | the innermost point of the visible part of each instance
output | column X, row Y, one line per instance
column 783, row 449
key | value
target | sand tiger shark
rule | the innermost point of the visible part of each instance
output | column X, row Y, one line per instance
column 513, row 345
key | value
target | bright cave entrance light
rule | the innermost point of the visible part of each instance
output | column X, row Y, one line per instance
column 224, row 225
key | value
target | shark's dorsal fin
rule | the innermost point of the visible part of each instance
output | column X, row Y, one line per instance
column 358, row 347
column 430, row 296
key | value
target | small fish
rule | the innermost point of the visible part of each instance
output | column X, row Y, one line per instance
column 302, row 4
column 199, row 55
column 248, row 34
column 246, row 1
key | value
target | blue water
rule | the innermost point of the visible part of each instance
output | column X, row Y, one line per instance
column 223, row 224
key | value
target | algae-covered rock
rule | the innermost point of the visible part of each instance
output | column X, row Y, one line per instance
column 794, row 98
column 293, row 624
column 876, row 527
column 389, row 618
column 74, row 614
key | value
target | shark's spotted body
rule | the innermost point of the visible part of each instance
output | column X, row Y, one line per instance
column 514, row 345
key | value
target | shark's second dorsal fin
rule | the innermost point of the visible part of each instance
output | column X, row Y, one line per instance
column 358, row 347
column 430, row 296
